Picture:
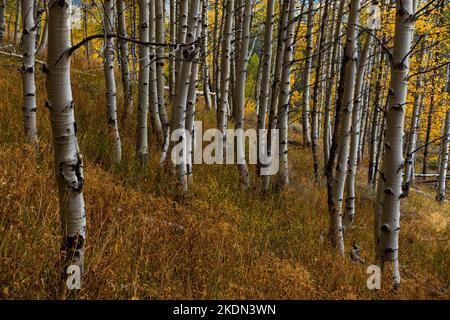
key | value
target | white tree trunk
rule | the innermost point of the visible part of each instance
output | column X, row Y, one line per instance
column 16, row 37
column 44, row 37
column 265, row 79
column 28, row 81
column 181, row 38
column 160, row 38
column 375, row 119
column 240, row 91
column 124, row 62
column 68, row 160
column 356, row 124
column 153, row 87
column 307, row 76
column 275, row 88
column 350, row 59
column 110, row 82
column 144, row 62
column 393, row 156
column 172, row 30
column 2, row 20
column 190, row 108
column 179, row 107
column 205, row 55
column 329, row 85
column 319, row 74
column 444, row 159
column 285, row 93
column 225, row 70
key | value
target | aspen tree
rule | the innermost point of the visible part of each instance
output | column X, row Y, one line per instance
column 172, row 31
column 111, row 103
column 43, row 43
column 205, row 54
column 375, row 119
column 216, row 48
column 240, row 91
column 124, row 62
column 317, row 84
column 144, row 63
column 2, row 20
column 414, row 126
column 356, row 118
column 265, row 74
column 307, row 76
column 431, row 113
column 443, row 159
column 68, row 160
column 285, row 91
column 190, row 105
column 160, row 38
column 183, row 7
column 37, row 14
column 28, row 81
column 350, row 60
column 184, row 78
column 222, row 113
column 16, row 35
column 153, row 87
column 393, row 156
column 330, row 80
column 277, row 68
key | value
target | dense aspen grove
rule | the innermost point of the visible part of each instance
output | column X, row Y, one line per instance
column 105, row 104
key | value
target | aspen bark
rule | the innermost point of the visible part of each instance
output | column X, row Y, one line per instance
column 225, row 70
column 160, row 38
column 124, row 62
column 265, row 80
column 350, row 60
column 184, row 77
column 307, row 77
column 16, row 36
column 285, row 91
column 374, row 134
column 356, row 123
column 153, row 87
column 205, row 54
column 37, row 13
column 414, row 127
column 2, row 20
column 172, row 31
column 444, row 159
column 190, row 106
column 44, row 38
column 393, row 162
column 111, row 103
column 240, row 91
column 68, row 160
column 181, row 38
column 317, row 85
column 330, row 81
column 426, row 149
column 144, row 62
column 275, row 88
column 28, row 77
column 216, row 48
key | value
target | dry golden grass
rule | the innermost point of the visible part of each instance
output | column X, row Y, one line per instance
column 232, row 244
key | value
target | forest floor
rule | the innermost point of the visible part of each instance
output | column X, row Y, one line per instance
column 220, row 242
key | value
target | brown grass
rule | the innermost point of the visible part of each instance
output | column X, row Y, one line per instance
column 233, row 244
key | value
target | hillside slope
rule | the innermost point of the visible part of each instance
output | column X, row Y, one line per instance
column 218, row 242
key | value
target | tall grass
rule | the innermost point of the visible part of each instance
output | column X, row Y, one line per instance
column 218, row 242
